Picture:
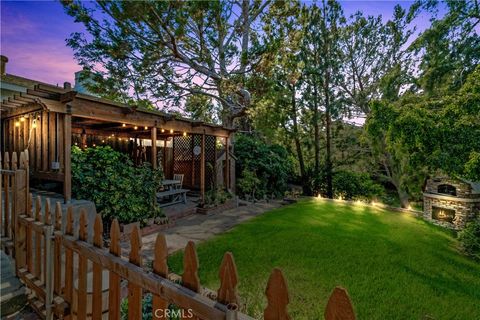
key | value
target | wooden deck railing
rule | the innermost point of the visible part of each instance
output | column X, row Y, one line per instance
column 65, row 273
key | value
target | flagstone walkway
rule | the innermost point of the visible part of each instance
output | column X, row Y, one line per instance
column 199, row 228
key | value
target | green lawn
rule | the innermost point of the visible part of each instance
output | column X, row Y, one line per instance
column 393, row 265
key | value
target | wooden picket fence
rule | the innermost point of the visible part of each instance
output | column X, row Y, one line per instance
column 65, row 273
column 14, row 189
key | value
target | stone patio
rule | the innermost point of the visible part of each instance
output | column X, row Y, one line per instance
column 199, row 228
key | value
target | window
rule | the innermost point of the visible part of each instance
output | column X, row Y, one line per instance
column 447, row 189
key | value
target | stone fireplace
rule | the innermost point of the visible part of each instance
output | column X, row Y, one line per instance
column 451, row 202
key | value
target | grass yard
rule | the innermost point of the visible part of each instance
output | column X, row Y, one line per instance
column 393, row 265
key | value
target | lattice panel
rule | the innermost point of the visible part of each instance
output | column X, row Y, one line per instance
column 185, row 162
column 183, row 158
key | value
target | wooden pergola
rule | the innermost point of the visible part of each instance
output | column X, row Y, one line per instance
column 47, row 120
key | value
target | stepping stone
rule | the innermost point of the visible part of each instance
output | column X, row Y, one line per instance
column 12, row 291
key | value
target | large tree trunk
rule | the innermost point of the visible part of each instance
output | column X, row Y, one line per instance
column 328, row 125
column 316, row 126
column 298, row 145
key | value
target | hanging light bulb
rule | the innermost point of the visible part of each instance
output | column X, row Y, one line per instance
column 163, row 130
column 34, row 124
column 184, row 134
column 146, row 128
column 94, row 145
column 124, row 125
column 135, row 127
column 22, row 119
column 103, row 141
column 171, row 130
column 17, row 124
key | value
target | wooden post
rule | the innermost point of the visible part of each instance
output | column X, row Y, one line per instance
column 154, row 147
column 67, row 158
column 202, row 169
column 227, row 164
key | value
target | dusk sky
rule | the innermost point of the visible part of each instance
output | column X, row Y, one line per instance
column 33, row 36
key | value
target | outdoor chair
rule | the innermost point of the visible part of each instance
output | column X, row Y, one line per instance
column 178, row 177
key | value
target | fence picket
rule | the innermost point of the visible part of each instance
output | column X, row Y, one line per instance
column 48, row 221
column 97, row 270
column 277, row 297
column 29, row 245
column 6, row 203
column 14, row 161
column 82, row 270
column 1, row 196
column 227, row 293
column 114, row 279
column 339, row 306
column 160, row 268
column 57, row 267
column 68, row 292
column 38, row 239
column 135, row 291
column 190, row 277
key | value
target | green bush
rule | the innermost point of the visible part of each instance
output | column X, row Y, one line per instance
column 265, row 168
column 355, row 186
column 470, row 239
column 216, row 197
column 118, row 188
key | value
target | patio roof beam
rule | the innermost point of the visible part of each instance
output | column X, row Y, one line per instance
column 104, row 112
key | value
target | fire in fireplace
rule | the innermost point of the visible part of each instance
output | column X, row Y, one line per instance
column 443, row 214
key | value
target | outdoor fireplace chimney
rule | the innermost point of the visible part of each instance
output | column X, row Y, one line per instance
column 3, row 61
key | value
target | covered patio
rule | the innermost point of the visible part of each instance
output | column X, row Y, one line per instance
column 48, row 120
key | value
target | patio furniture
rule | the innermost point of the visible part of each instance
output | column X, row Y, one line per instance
column 174, row 195
column 178, row 177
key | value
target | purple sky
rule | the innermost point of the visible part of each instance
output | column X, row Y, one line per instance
column 33, row 36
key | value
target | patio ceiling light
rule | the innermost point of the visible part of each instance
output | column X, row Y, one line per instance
column 22, row 119
column 17, row 123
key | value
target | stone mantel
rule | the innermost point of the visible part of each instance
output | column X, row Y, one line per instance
column 448, row 197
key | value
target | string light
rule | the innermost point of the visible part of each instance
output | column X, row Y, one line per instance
column 17, row 123
column 113, row 135
column 146, row 128
column 22, row 119
column 103, row 141
column 34, row 124
column 184, row 134
column 171, row 130
column 163, row 130
column 135, row 127
column 124, row 125
column 94, row 145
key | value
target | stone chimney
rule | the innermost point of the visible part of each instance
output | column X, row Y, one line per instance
column 3, row 61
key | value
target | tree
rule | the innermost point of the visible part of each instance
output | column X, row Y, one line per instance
column 166, row 50
column 450, row 48
column 374, row 55
column 321, row 55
